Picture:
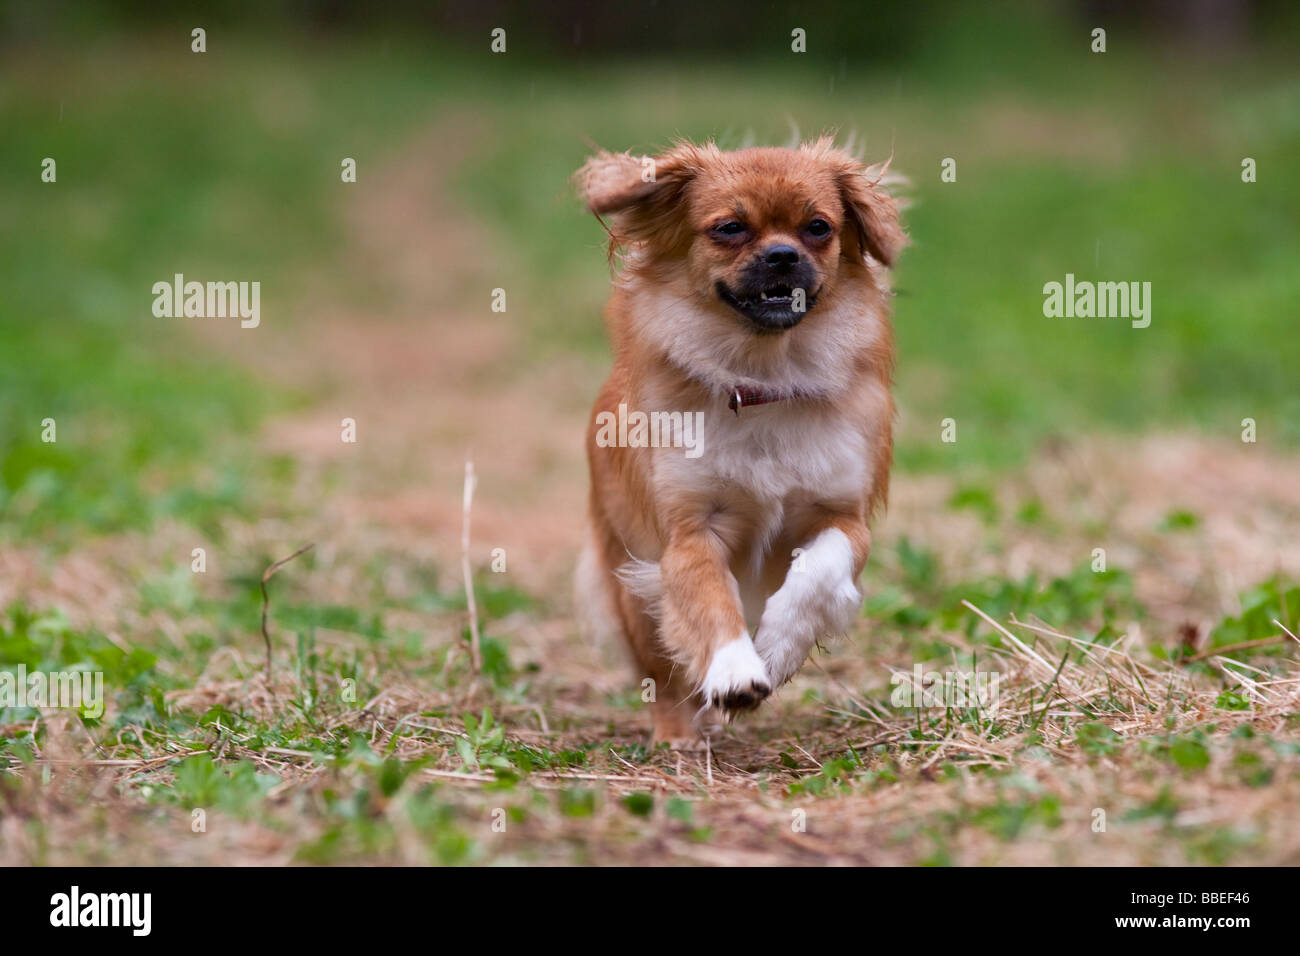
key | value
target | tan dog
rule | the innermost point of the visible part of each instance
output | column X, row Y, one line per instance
column 743, row 441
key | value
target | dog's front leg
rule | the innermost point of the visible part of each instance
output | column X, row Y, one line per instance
column 703, row 627
column 819, row 597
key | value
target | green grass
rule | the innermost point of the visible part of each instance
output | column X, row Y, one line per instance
column 226, row 166
column 1087, row 178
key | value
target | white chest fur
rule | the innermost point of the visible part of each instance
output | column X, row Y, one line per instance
column 769, row 452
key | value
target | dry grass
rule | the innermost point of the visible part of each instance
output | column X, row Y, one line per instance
column 939, row 785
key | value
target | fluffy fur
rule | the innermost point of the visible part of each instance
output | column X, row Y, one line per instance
column 767, row 529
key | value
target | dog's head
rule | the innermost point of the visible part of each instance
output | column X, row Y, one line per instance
column 765, row 232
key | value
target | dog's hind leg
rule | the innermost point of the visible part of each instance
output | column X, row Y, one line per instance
column 610, row 605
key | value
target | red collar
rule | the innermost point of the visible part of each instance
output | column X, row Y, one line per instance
column 743, row 395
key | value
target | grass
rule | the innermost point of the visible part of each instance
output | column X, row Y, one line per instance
column 1158, row 690
column 339, row 760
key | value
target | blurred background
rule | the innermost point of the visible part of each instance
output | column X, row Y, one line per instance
column 1123, row 166
column 376, row 306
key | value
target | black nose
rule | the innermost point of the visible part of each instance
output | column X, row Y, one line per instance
column 782, row 258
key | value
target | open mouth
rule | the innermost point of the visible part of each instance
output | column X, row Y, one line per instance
column 778, row 293
column 772, row 309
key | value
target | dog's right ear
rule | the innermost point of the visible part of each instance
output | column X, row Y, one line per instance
column 643, row 194
column 611, row 182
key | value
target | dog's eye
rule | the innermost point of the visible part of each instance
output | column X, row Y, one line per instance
column 819, row 228
column 729, row 228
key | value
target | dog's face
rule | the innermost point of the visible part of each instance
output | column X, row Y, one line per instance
column 764, row 233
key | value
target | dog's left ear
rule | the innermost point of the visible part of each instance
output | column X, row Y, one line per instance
column 872, row 212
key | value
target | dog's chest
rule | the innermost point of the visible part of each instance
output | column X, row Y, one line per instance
column 770, row 452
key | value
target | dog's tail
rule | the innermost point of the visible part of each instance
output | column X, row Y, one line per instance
column 593, row 595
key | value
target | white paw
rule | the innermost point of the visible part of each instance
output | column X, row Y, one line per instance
column 819, row 600
column 737, row 678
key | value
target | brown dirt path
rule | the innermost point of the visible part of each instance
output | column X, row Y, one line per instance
column 431, row 375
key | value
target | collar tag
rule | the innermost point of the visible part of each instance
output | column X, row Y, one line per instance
column 742, row 396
